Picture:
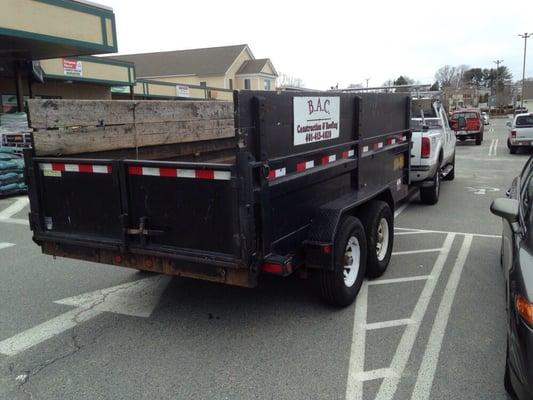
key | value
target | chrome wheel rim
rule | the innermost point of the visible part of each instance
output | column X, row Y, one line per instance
column 382, row 242
column 352, row 258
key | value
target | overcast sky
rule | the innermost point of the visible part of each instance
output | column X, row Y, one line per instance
column 330, row 42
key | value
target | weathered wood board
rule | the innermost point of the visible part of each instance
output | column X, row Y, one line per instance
column 63, row 127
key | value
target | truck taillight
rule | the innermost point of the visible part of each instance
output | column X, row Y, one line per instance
column 426, row 148
column 513, row 133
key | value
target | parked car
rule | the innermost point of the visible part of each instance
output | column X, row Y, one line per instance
column 468, row 124
column 433, row 151
column 517, row 264
column 520, row 132
column 485, row 117
column 520, row 110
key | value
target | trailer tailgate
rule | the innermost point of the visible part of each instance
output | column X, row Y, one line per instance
column 172, row 209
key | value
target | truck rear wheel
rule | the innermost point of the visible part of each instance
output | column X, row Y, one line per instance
column 479, row 139
column 340, row 286
column 430, row 195
column 378, row 222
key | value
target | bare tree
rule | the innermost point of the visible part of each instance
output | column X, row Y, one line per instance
column 450, row 76
column 459, row 73
column 289, row 80
column 445, row 76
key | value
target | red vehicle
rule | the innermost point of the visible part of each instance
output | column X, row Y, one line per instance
column 468, row 124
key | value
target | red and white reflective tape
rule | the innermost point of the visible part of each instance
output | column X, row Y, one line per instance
column 83, row 168
column 277, row 173
column 179, row 173
column 348, row 153
column 302, row 166
column 328, row 159
column 379, row 145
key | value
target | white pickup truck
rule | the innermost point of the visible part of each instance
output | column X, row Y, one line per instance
column 433, row 151
column 520, row 132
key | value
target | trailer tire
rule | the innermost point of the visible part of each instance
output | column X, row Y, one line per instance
column 378, row 222
column 340, row 286
column 430, row 195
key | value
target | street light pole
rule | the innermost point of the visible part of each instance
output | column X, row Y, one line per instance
column 524, row 36
column 497, row 62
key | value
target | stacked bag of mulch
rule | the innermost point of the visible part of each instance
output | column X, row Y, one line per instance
column 11, row 161
column 11, row 172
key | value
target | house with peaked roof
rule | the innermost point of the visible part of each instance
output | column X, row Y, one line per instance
column 226, row 67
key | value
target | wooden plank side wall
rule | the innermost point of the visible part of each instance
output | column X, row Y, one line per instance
column 63, row 127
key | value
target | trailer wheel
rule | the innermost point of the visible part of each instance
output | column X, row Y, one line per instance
column 430, row 195
column 378, row 222
column 340, row 286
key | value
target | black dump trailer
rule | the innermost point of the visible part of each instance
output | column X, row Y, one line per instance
column 309, row 185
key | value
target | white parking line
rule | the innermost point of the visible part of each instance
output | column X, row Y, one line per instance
column 400, row 280
column 491, row 146
column 356, row 373
column 401, row 253
column 14, row 208
column 403, row 351
column 447, row 232
column 5, row 245
column 16, row 221
column 426, row 372
column 408, row 200
column 389, row 324
column 375, row 374
column 354, row 386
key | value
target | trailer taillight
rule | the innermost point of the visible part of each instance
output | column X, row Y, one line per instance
column 277, row 268
column 426, row 148
column 513, row 133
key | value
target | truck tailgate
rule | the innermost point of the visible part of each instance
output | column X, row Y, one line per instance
column 524, row 132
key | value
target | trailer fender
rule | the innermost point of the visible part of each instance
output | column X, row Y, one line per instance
column 318, row 246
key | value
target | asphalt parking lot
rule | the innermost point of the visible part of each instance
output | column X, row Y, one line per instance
column 433, row 327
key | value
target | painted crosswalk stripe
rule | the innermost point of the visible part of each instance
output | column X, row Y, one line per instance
column 5, row 245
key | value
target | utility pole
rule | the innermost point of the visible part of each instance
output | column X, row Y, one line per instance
column 497, row 62
column 524, row 36
column 367, row 79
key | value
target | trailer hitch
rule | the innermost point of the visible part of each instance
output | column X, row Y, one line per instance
column 142, row 232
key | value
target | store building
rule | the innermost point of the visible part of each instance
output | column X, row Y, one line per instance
column 62, row 34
